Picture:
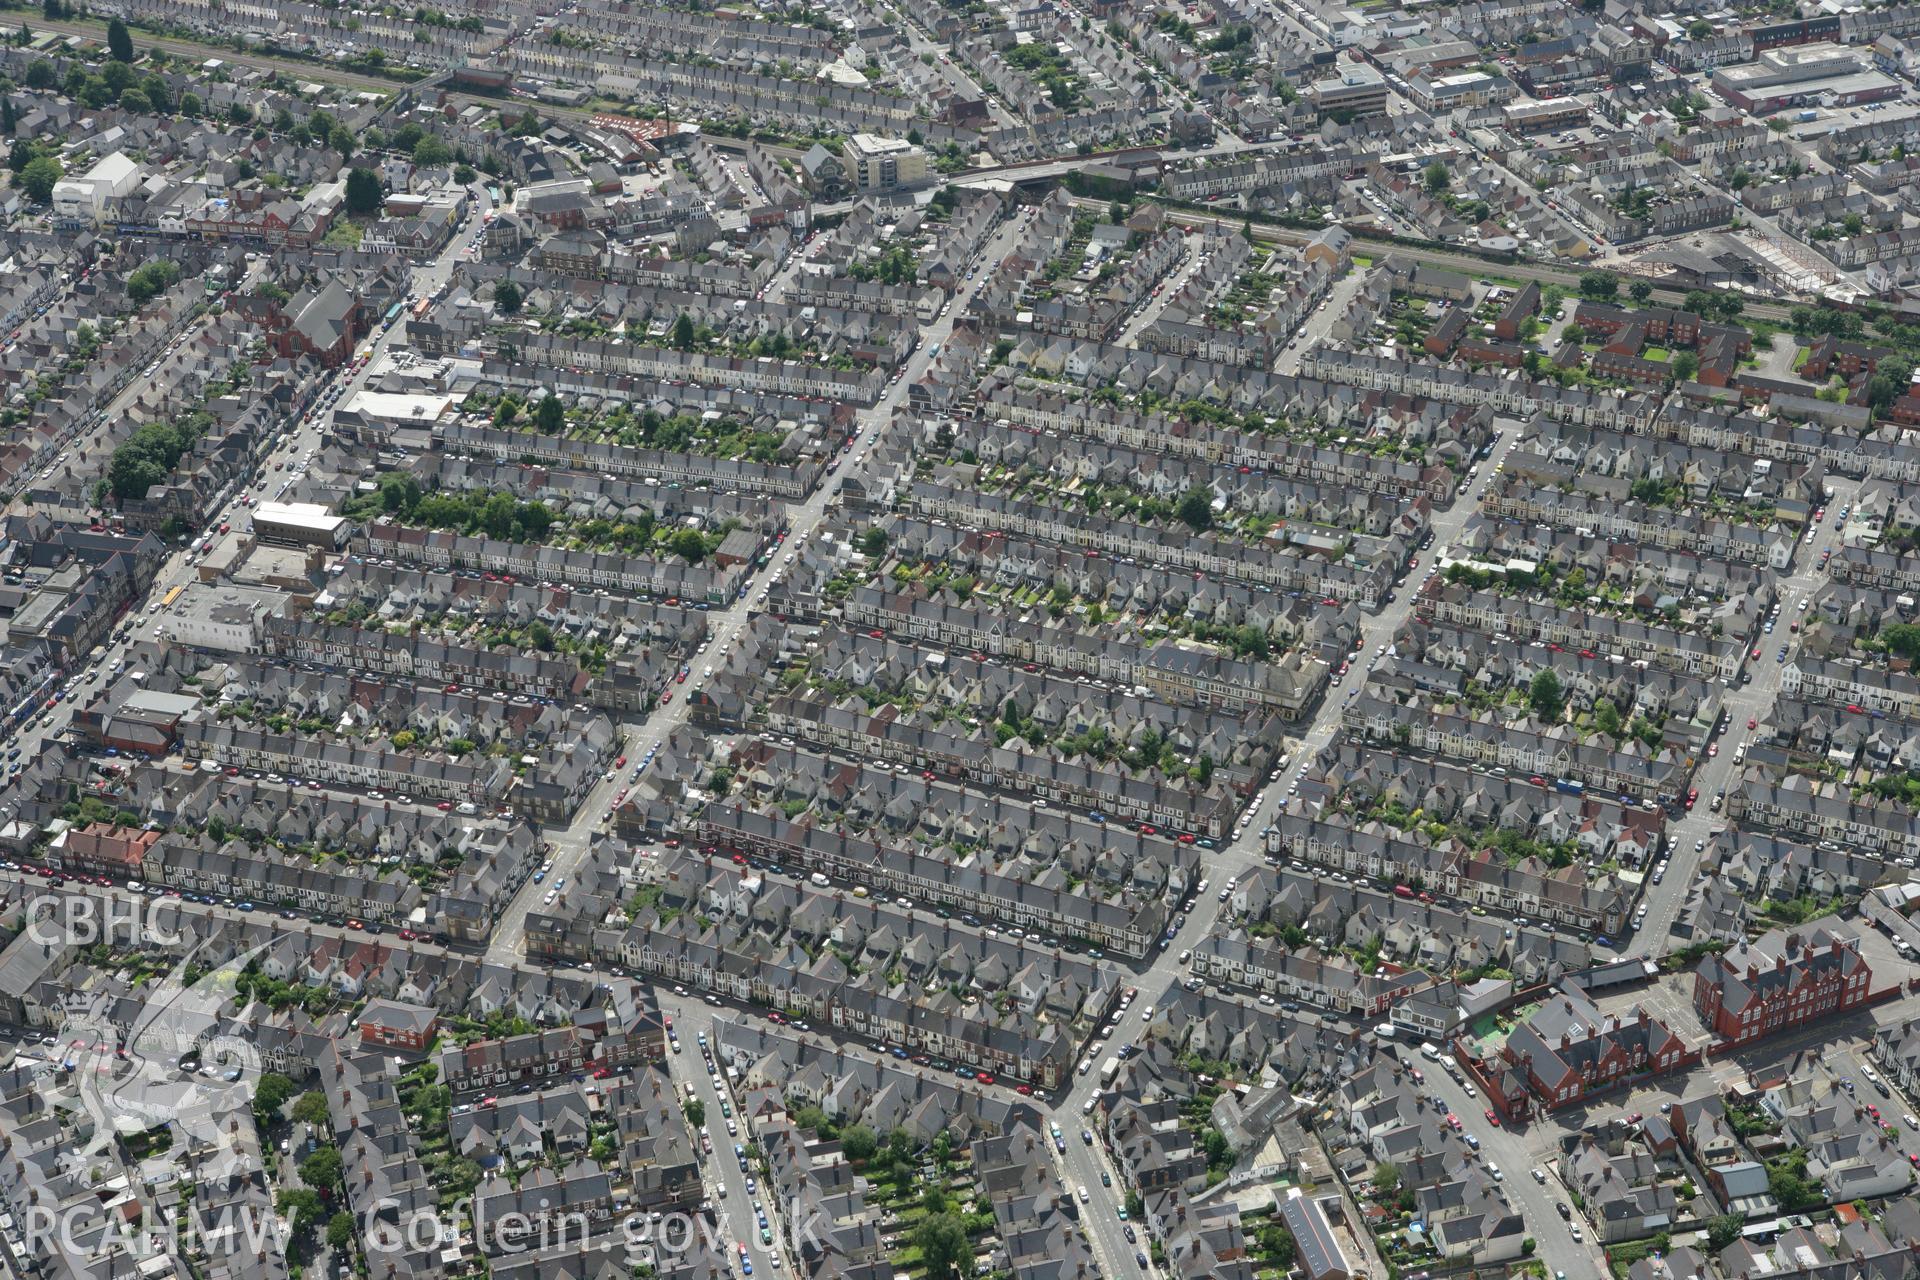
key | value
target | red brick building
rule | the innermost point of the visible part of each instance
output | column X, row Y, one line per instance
column 395, row 1024
column 1830, row 355
column 1567, row 1050
column 1781, row 980
column 102, row 849
column 1524, row 304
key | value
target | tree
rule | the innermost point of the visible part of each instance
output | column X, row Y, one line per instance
column 1640, row 290
column 507, row 297
column 157, row 93
column 269, row 1095
column 1196, row 509
column 1606, row 718
column 1599, row 286
column 859, row 1142
column 340, row 138
column 430, row 152
column 944, row 1247
column 20, row 155
column 683, row 331
column 363, row 191
column 340, row 1231
column 463, row 174
column 1436, row 178
column 151, row 279
column 688, row 545
column 1545, row 696
column 551, row 415
column 41, row 75
column 1386, row 1177
column 119, row 41
column 304, row 1207
column 1685, row 366
column 191, row 105
column 873, row 542
column 321, row 1170
column 53, row 10
column 135, row 101
column 1724, row 1230
column 38, row 177
column 310, row 1108
column 696, row 1112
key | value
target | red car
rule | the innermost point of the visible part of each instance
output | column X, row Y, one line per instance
column 1756, row 651
column 1024, row 1090
column 666, row 697
column 1492, row 1119
column 620, row 763
column 983, row 1077
column 1752, row 723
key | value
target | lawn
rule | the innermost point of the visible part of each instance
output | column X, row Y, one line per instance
column 1657, row 353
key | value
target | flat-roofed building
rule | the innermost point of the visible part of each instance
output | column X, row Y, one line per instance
column 306, row 524
column 1356, row 88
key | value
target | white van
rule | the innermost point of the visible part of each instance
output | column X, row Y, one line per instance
column 1430, row 1051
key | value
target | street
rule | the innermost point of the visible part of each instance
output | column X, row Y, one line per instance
column 571, row 844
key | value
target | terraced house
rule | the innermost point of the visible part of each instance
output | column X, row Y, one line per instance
column 1780, row 980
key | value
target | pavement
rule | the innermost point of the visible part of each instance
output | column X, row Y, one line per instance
column 277, row 464
column 1744, row 702
column 725, row 626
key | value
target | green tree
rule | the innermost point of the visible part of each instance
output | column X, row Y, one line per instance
column 321, row 1170
column 41, row 75
column 1545, row 696
column 683, row 331
column 1599, row 286
column 192, row 105
column 944, row 1248
column 304, row 1207
column 430, row 152
column 1685, row 365
column 39, row 177
column 135, row 101
column 340, row 1231
column 151, row 279
column 1724, row 1230
column 1196, row 509
column 119, row 41
column 1386, row 1177
column 364, row 194
column 340, row 138
column 311, row 1108
column 873, row 542
column 551, row 416
column 1436, row 178
column 1902, row 638
column 1640, row 290
column 1606, row 718
column 689, row 545
column 507, row 297
column 859, row 1142
column 269, row 1095
column 157, row 93
column 696, row 1112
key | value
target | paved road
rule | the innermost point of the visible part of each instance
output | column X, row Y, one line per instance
column 1516, row 1155
column 1237, row 857
column 276, row 465
column 726, row 1183
column 725, row 626
column 1744, row 702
